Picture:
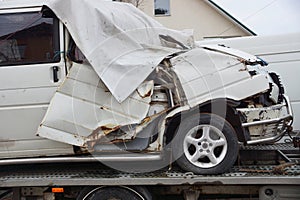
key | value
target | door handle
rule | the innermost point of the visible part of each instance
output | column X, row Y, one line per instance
column 55, row 70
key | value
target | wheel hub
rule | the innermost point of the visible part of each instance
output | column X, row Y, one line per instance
column 204, row 151
column 204, row 145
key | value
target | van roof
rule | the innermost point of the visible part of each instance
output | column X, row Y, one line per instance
column 6, row 4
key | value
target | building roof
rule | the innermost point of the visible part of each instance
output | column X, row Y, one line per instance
column 230, row 17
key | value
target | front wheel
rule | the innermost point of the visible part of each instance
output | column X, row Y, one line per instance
column 205, row 144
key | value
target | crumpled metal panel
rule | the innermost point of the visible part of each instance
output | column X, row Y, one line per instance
column 83, row 106
column 118, row 40
column 207, row 75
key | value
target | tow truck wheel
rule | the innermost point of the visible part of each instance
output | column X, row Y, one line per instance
column 205, row 144
column 114, row 192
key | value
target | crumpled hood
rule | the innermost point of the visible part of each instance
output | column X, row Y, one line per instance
column 120, row 42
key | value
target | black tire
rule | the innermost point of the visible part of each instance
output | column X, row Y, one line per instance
column 114, row 192
column 205, row 144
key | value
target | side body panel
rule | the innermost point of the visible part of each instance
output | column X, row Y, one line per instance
column 83, row 110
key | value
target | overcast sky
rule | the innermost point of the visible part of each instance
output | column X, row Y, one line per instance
column 265, row 17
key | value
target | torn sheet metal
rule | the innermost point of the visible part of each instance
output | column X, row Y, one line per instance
column 83, row 106
column 118, row 40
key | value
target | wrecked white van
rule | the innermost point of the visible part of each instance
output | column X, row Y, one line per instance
column 106, row 80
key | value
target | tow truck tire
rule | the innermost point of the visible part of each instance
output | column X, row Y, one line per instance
column 205, row 144
column 114, row 192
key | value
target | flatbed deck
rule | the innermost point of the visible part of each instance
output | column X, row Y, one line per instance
column 286, row 171
column 94, row 176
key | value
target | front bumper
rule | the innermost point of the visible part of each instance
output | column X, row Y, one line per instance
column 267, row 124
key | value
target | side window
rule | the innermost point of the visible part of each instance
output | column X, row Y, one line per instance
column 28, row 38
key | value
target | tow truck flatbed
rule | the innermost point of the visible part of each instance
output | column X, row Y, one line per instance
column 65, row 176
column 282, row 169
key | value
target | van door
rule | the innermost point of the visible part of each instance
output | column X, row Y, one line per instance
column 32, row 66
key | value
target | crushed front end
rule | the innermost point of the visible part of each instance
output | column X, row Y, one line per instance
column 267, row 116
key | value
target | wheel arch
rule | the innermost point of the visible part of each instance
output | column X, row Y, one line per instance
column 221, row 107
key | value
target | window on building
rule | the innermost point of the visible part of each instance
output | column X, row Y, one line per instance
column 28, row 38
column 162, row 7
